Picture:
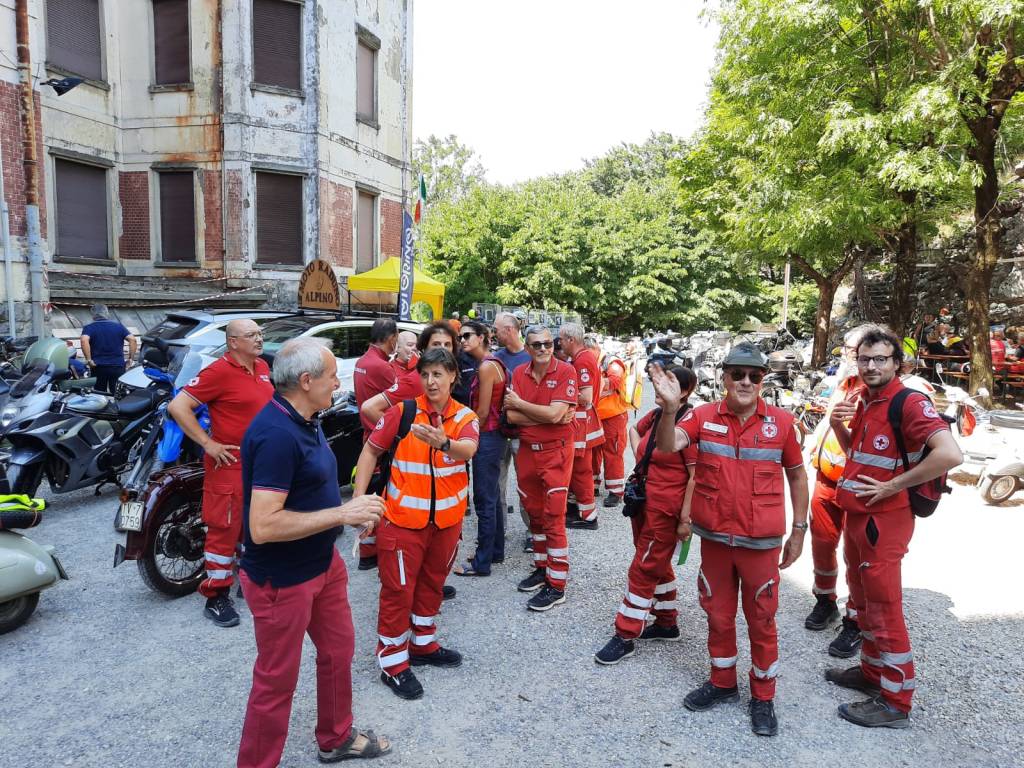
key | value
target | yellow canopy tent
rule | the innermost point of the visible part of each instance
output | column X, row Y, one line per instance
column 385, row 279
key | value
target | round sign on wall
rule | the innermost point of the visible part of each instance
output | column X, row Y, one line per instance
column 318, row 287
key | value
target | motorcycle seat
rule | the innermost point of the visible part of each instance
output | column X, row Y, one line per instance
column 135, row 404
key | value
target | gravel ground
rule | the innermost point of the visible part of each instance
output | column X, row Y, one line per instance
column 107, row 673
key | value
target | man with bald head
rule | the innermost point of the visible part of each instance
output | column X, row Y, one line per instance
column 234, row 389
column 408, row 384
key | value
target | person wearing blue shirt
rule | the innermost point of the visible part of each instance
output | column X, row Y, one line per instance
column 103, row 346
column 512, row 354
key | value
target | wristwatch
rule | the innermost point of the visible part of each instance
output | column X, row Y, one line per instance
column 800, row 526
column 446, row 445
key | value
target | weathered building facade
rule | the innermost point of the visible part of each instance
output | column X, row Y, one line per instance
column 214, row 146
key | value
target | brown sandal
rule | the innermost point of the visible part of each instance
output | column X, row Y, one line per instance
column 373, row 746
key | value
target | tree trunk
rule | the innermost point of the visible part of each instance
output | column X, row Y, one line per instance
column 901, row 303
column 823, row 321
column 981, row 266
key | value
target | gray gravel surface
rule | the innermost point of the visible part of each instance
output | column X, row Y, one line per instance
column 108, row 673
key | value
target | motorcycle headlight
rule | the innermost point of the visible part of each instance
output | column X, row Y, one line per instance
column 7, row 415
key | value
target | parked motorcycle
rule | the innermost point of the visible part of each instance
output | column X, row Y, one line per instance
column 1003, row 476
column 26, row 568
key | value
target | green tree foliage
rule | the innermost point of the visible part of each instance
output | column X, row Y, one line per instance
column 450, row 168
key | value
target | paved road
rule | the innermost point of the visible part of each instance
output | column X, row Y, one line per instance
column 109, row 674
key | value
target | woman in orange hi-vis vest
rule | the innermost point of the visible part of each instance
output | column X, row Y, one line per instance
column 425, row 502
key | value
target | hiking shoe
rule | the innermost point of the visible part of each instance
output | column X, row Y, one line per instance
column 367, row 563
column 848, row 641
column 708, row 695
column 447, row 593
column 582, row 525
column 762, row 718
column 612, row 500
column 404, row 685
column 572, row 512
column 528, row 545
column 852, row 678
column 221, row 611
column 615, row 650
column 533, row 582
column 442, row 657
column 546, row 599
column 824, row 613
column 658, row 632
column 874, row 713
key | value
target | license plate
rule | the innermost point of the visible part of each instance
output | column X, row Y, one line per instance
column 129, row 516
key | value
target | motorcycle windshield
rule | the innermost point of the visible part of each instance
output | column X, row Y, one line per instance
column 185, row 368
column 27, row 383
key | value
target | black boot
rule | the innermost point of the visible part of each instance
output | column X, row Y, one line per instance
column 848, row 642
column 708, row 695
column 762, row 718
column 824, row 613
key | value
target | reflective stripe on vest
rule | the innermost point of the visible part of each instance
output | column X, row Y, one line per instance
column 745, row 454
column 746, row 542
column 418, row 502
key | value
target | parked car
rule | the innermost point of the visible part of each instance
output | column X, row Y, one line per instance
column 201, row 328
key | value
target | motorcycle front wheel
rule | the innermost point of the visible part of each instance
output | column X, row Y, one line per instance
column 997, row 490
column 173, row 563
column 14, row 613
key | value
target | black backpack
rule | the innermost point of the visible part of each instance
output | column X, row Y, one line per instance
column 924, row 498
column 379, row 482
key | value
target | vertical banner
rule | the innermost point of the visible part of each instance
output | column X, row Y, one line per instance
column 405, row 272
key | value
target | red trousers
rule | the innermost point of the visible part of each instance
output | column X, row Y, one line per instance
column 543, row 485
column 581, row 483
column 724, row 572
column 611, row 452
column 652, row 580
column 874, row 546
column 413, row 565
column 222, row 512
column 281, row 618
column 826, row 527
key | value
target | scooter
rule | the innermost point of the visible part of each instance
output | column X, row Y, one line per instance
column 1003, row 476
column 26, row 568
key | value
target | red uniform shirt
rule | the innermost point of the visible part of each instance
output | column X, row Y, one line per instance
column 667, row 474
column 233, row 395
column 373, row 374
column 738, row 476
column 588, row 426
column 557, row 386
column 408, row 384
column 873, row 450
column 386, row 429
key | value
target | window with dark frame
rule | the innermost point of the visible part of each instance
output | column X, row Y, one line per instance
column 73, row 40
column 277, row 43
column 170, row 42
column 366, row 82
column 81, row 210
column 177, row 217
column 278, row 218
column 366, row 231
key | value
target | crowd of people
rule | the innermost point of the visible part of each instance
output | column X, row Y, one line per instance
column 451, row 408
column 938, row 340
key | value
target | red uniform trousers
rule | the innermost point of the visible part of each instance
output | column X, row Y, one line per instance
column 581, row 483
column 652, row 579
column 611, row 452
column 543, row 484
column 826, row 527
column 724, row 572
column 281, row 619
column 413, row 564
column 874, row 546
column 222, row 513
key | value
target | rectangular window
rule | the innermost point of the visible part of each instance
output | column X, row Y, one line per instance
column 277, row 43
column 81, row 192
column 177, row 217
column 278, row 218
column 366, row 82
column 170, row 42
column 73, row 41
column 366, row 231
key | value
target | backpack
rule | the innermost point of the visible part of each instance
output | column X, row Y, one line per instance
column 382, row 473
column 924, row 498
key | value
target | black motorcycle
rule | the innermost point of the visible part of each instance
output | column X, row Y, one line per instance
column 83, row 439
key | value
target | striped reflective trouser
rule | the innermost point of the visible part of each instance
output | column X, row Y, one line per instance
column 826, row 527
column 543, row 486
column 222, row 514
column 651, row 590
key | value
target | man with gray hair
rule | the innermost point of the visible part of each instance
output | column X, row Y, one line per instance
column 103, row 348
column 295, row 581
column 588, row 431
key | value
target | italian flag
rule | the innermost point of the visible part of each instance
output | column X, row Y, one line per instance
column 421, row 203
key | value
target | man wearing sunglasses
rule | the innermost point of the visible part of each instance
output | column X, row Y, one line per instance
column 743, row 448
column 542, row 402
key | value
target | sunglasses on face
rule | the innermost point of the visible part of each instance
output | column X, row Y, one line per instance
column 539, row 345
column 738, row 375
column 467, row 336
column 251, row 335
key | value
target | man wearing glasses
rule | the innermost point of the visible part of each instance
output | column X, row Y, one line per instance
column 743, row 448
column 542, row 403
column 880, row 522
column 234, row 389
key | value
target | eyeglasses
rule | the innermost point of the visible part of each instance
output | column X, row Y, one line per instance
column 251, row 335
column 739, row 374
column 878, row 360
column 539, row 345
column 467, row 336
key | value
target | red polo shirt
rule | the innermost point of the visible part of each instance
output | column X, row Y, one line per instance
column 373, row 374
column 234, row 397
column 408, row 384
column 588, row 425
column 557, row 386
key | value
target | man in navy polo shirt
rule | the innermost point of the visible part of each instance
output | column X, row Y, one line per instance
column 295, row 582
column 103, row 347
